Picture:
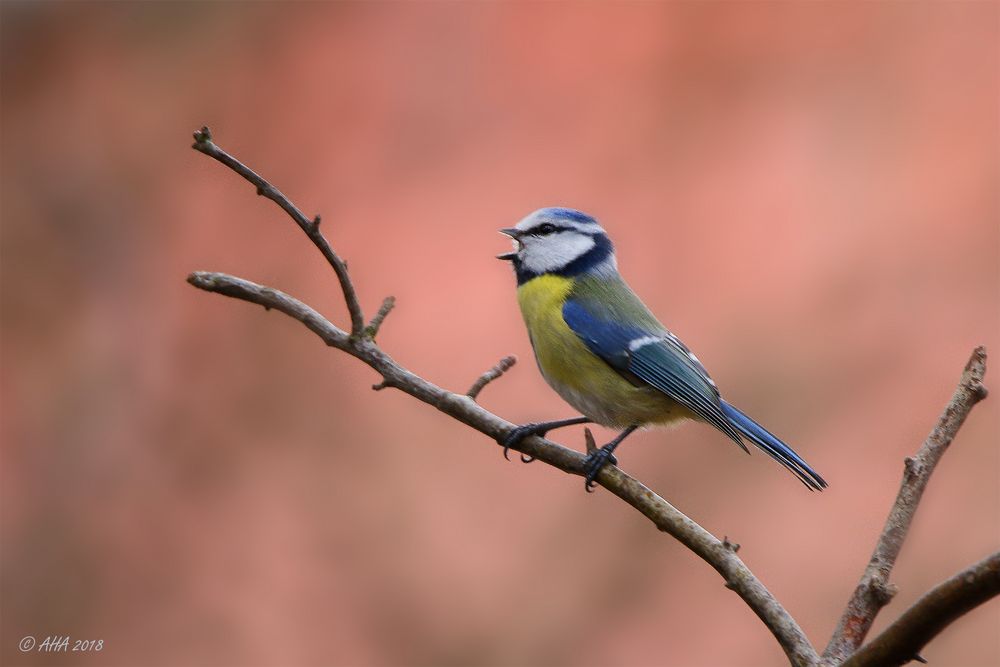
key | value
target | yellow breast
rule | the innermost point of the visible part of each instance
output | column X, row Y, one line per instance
column 583, row 379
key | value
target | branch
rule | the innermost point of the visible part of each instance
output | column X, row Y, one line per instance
column 932, row 613
column 874, row 590
column 203, row 143
column 720, row 555
column 494, row 373
column 923, row 621
column 387, row 305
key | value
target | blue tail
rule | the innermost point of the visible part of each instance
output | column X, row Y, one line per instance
column 773, row 447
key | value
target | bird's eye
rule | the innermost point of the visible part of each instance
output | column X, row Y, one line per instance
column 545, row 229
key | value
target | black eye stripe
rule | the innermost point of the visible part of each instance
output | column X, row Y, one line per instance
column 547, row 228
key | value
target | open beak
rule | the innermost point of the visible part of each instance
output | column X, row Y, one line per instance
column 514, row 234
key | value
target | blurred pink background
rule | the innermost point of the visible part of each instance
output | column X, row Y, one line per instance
column 806, row 193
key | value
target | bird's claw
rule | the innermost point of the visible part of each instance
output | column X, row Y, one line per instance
column 516, row 435
column 596, row 460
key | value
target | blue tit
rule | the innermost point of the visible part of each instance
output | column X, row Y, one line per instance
column 605, row 353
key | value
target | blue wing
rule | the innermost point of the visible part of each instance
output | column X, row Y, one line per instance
column 661, row 362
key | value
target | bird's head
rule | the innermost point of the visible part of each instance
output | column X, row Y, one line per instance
column 561, row 241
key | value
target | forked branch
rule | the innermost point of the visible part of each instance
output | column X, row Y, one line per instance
column 719, row 554
column 463, row 408
column 933, row 612
column 204, row 144
column 874, row 590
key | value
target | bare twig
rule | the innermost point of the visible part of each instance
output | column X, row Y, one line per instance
column 872, row 593
column 665, row 516
column 387, row 305
column 874, row 590
column 502, row 367
column 932, row 613
column 204, row 144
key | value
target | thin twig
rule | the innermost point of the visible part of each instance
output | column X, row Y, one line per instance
column 204, row 144
column 664, row 516
column 933, row 612
column 387, row 305
column 463, row 408
column 502, row 367
column 874, row 590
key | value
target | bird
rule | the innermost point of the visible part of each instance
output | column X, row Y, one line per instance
column 602, row 350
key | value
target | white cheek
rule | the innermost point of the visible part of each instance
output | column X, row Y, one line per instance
column 551, row 253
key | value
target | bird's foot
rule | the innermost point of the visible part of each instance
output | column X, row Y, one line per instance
column 596, row 460
column 516, row 435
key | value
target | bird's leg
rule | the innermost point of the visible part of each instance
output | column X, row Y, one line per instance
column 599, row 458
column 516, row 435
